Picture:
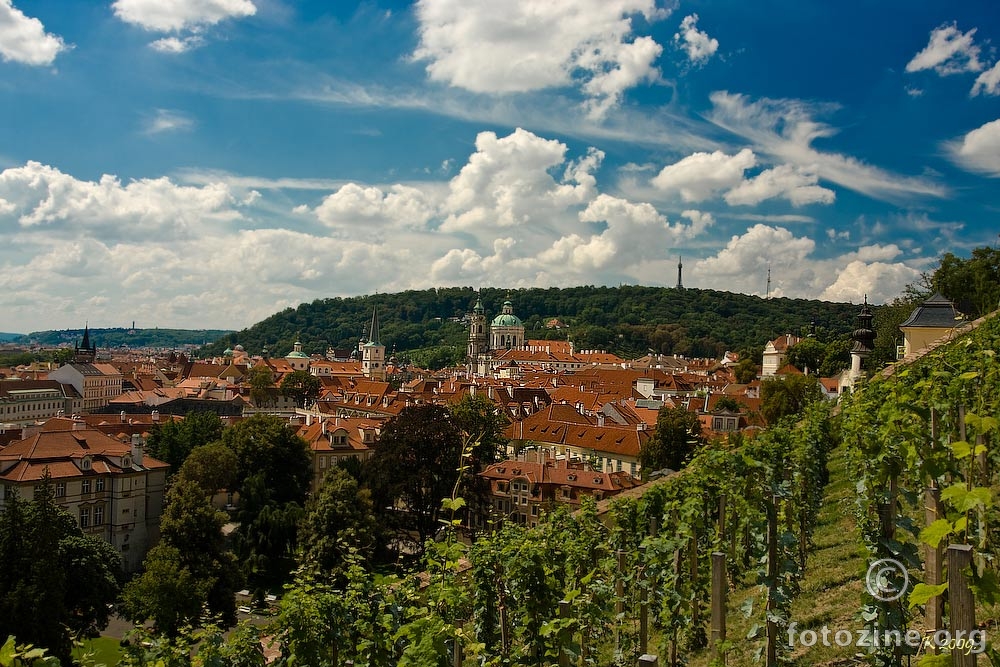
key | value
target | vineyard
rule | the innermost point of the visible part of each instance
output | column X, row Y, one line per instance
column 707, row 565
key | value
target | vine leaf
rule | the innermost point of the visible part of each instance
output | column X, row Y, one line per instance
column 937, row 531
column 921, row 593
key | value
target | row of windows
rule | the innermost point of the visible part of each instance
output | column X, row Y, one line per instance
column 31, row 407
column 84, row 487
column 85, row 516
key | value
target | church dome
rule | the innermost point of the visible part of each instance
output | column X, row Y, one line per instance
column 297, row 353
column 228, row 352
column 507, row 318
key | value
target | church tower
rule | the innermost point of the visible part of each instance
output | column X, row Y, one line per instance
column 507, row 329
column 864, row 341
column 85, row 352
column 373, row 352
column 477, row 336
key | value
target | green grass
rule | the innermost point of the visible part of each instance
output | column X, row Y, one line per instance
column 831, row 587
column 103, row 651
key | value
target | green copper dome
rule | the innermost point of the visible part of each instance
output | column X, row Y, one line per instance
column 507, row 318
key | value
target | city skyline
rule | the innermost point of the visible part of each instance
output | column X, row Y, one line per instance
column 208, row 164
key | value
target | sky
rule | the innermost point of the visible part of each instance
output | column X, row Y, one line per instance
column 206, row 163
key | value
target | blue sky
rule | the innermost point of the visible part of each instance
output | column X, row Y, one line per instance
column 205, row 163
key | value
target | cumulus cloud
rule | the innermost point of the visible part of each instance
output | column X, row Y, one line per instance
column 786, row 129
column 987, row 83
column 23, row 38
column 696, row 43
column 526, row 45
column 44, row 198
column 507, row 183
column 353, row 205
column 876, row 281
column 177, row 15
column 949, row 51
column 186, row 19
column 979, row 150
column 786, row 181
column 700, row 175
column 795, row 272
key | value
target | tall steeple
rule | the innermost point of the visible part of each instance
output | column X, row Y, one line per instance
column 373, row 352
column 864, row 341
column 85, row 353
column 680, row 267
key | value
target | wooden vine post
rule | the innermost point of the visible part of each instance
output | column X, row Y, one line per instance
column 933, row 560
column 643, row 603
column 619, row 599
column 720, row 586
column 772, row 577
column 961, row 603
column 564, row 635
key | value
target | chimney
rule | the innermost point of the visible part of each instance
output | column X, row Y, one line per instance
column 155, row 416
column 309, row 420
column 600, row 419
column 324, row 427
column 79, row 425
column 136, row 451
column 122, row 416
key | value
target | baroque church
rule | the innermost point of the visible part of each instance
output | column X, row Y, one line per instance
column 506, row 332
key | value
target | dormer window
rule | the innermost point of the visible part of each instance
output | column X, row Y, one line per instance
column 126, row 462
column 86, row 463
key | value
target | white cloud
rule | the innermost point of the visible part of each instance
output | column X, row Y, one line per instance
column 700, row 175
column 949, row 51
column 786, row 181
column 696, row 43
column 987, row 83
column 700, row 220
column 166, row 120
column 23, row 39
column 786, row 129
column 525, row 45
column 507, row 183
column 796, row 273
column 178, row 15
column 878, row 281
column 44, row 198
column 979, row 150
column 353, row 208
column 177, row 44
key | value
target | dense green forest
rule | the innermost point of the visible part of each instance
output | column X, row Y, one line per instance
column 629, row 320
column 117, row 337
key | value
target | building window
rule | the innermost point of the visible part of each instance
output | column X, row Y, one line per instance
column 60, row 489
column 85, row 486
column 84, row 517
column 322, row 462
column 99, row 486
column 99, row 516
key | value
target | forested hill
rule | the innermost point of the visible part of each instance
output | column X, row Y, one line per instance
column 117, row 337
column 628, row 320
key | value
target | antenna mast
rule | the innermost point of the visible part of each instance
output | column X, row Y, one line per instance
column 767, row 293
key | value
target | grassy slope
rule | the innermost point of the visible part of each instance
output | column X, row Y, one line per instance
column 831, row 588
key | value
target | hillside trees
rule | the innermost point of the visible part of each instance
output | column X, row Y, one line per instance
column 972, row 284
column 56, row 583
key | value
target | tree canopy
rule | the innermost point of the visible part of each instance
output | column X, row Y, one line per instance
column 788, row 395
column 172, row 441
column 338, row 520
column 678, row 435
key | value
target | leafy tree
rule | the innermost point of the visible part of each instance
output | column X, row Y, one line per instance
column 262, row 389
column 788, row 395
column 166, row 592
column 808, row 353
column 265, row 445
column 414, row 466
column 172, row 441
column 273, row 473
column 745, row 370
column 56, row 583
column 836, row 358
column 727, row 403
column 972, row 284
column 886, row 321
column 482, row 423
column 338, row 520
column 678, row 435
column 212, row 467
column 191, row 532
column 302, row 386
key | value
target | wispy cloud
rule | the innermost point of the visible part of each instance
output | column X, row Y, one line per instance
column 166, row 120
